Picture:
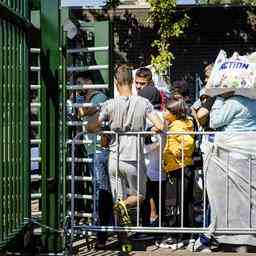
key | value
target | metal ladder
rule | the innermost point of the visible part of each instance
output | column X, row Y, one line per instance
column 94, row 57
column 35, row 135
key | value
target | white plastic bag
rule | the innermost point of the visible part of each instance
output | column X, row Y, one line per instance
column 237, row 74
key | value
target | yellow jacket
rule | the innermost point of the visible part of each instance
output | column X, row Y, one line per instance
column 172, row 156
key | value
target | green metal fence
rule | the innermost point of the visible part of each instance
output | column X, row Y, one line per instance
column 49, row 68
column 14, row 121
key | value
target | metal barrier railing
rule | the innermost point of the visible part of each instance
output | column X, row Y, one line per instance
column 83, row 229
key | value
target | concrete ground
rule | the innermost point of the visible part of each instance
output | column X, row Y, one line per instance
column 151, row 251
column 142, row 248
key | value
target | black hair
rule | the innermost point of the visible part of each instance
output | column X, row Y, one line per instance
column 178, row 107
column 145, row 73
column 85, row 75
column 180, row 87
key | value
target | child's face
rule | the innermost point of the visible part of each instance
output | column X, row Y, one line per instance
column 168, row 116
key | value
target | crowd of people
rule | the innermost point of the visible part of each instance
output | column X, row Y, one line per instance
column 162, row 157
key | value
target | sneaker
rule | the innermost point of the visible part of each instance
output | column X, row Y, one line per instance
column 127, row 247
column 202, row 244
column 191, row 245
column 122, row 213
column 170, row 243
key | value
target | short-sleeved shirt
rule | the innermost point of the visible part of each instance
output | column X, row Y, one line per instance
column 96, row 99
column 126, row 114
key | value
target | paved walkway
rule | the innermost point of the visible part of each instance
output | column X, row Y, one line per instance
column 155, row 252
column 142, row 248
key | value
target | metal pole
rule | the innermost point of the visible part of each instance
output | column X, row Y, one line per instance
column 138, row 180
column 94, row 180
column 204, row 195
column 50, row 70
column 227, row 188
column 160, row 181
column 250, row 191
column 182, row 183
column 73, row 190
column 117, row 172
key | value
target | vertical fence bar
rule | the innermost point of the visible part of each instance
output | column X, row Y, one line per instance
column 14, row 127
column 182, row 182
column 160, row 181
column 3, row 128
column 21, row 125
column 138, row 181
column 5, row 207
column 11, row 147
column 26, row 123
column 250, row 191
column 17, row 124
column 204, row 195
column 1, row 134
column 16, row 70
column 18, row 6
column 227, row 189
column 6, row 192
column 50, row 58
column 72, row 193
column 22, row 7
column 7, row 167
column 117, row 165
column 63, row 124
column 14, row 124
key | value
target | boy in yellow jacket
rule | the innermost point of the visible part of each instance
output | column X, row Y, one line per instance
column 175, row 114
column 174, row 160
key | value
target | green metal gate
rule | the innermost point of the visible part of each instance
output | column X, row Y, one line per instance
column 14, row 121
column 52, row 127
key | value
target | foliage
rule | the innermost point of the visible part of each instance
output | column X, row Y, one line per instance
column 250, row 13
column 112, row 4
column 171, row 24
column 229, row 2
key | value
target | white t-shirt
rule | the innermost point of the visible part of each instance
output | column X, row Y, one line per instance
column 152, row 154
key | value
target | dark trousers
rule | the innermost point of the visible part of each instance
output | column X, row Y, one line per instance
column 105, row 206
column 152, row 191
column 188, row 195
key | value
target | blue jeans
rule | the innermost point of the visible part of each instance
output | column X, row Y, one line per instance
column 103, row 202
